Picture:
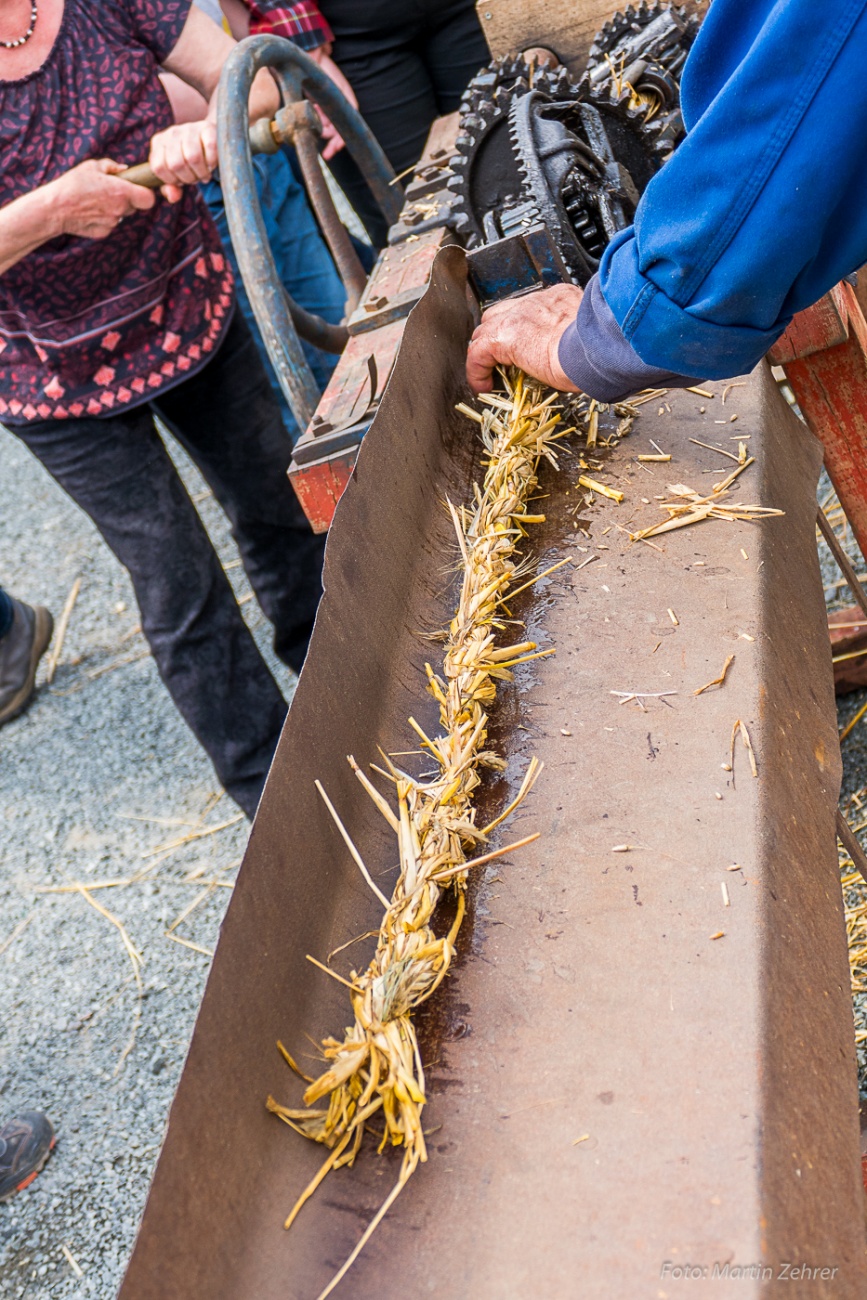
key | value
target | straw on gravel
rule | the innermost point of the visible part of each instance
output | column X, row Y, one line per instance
column 376, row 1069
column 855, row 903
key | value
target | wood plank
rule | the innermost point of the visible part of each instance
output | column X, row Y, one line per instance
column 565, row 26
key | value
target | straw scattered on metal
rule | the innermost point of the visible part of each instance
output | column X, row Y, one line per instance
column 376, row 1068
column 692, row 507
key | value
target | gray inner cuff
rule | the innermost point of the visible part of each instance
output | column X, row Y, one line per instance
column 598, row 359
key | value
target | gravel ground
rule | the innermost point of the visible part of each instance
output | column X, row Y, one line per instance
column 96, row 777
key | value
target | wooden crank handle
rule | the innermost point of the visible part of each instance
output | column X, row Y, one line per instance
column 141, row 174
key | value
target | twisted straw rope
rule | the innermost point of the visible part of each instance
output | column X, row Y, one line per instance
column 377, row 1067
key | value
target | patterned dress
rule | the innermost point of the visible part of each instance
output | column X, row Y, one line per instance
column 93, row 327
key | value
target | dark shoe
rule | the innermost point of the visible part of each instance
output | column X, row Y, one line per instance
column 20, row 651
column 26, row 1142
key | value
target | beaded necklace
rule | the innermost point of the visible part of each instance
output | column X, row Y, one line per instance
column 22, row 40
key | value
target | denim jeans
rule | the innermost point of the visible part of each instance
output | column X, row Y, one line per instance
column 303, row 261
column 117, row 469
column 6, row 613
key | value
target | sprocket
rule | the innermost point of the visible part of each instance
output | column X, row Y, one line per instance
column 534, row 146
column 638, row 58
column 573, row 159
column 486, row 179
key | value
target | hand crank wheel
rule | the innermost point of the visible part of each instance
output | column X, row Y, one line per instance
column 280, row 319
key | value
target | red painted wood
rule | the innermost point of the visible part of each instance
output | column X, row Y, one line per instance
column 831, row 389
column 319, row 487
column 347, row 397
column 824, row 325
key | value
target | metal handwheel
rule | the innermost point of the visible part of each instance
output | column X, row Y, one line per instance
column 302, row 84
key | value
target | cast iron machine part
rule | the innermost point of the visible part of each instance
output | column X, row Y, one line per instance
column 538, row 150
column 641, row 52
column 302, row 85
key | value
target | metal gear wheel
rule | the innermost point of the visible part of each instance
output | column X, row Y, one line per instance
column 572, row 158
column 534, row 146
column 487, row 180
column 638, row 58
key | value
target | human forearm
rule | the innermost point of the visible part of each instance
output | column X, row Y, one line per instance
column 187, row 152
column 25, row 224
column 198, row 60
column 89, row 201
column 264, row 96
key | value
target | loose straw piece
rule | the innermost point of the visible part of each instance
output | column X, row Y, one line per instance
column 60, row 633
column 377, row 1219
column 852, row 723
column 626, row 696
column 136, row 960
column 647, row 395
column 72, row 1261
column 202, row 834
column 188, row 943
column 709, row 447
column 593, row 486
column 740, row 729
column 19, row 929
column 717, row 681
column 486, row 857
column 352, row 849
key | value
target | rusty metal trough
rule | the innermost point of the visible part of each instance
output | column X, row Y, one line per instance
column 714, row 1078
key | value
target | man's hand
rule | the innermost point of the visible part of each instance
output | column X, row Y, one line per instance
column 524, row 332
column 183, row 155
column 91, row 200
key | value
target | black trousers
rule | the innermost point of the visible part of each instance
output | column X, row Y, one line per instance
column 408, row 61
column 117, row 469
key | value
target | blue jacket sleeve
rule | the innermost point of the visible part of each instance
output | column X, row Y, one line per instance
column 763, row 207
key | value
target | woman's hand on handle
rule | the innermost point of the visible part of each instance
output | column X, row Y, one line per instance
column 92, row 200
column 183, row 155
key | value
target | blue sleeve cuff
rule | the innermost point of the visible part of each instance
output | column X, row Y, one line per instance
column 599, row 360
column 667, row 335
